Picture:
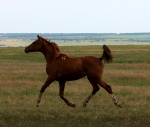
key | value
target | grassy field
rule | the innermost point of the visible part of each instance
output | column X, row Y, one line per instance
column 22, row 75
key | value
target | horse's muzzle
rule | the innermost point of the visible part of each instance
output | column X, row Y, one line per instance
column 26, row 50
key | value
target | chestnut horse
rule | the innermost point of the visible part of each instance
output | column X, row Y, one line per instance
column 62, row 68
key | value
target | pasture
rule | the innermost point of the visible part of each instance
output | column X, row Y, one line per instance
column 22, row 75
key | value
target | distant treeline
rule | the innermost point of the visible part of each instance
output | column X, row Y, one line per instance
column 33, row 35
column 80, row 37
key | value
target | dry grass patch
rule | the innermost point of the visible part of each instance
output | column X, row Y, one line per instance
column 127, row 71
column 18, row 107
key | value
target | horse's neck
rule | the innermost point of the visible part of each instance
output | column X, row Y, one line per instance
column 49, row 55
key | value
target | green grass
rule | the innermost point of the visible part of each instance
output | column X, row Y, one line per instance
column 122, row 54
column 22, row 75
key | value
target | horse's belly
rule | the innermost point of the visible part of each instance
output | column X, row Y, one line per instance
column 70, row 77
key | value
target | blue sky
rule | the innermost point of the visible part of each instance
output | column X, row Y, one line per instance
column 74, row 16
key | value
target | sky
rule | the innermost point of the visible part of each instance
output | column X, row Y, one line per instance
column 74, row 16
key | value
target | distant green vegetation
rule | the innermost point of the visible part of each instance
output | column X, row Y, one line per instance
column 122, row 54
column 82, row 38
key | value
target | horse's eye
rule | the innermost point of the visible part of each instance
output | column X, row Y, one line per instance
column 34, row 43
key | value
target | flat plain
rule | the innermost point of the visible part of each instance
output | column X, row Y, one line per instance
column 22, row 75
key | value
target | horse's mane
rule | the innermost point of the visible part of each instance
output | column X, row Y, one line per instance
column 54, row 45
column 50, row 43
column 56, row 49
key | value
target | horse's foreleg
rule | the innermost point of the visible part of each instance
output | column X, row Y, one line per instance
column 95, row 89
column 61, row 94
column 109, row 90
column 46, row 84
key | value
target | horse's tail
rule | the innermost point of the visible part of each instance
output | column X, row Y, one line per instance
column 107, row 56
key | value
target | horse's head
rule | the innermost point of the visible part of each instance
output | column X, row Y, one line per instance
column 44, row 46
column 35, row 46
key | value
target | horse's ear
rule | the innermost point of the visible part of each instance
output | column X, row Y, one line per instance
column 39, row 37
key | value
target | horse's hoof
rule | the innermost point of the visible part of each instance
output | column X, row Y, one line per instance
column 84, row 105
column 37, row 105
column 73, row 105
column 118, row 105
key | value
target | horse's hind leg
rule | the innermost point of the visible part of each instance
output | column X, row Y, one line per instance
column 109, row 90
column 95, row 89
column 61, row 94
